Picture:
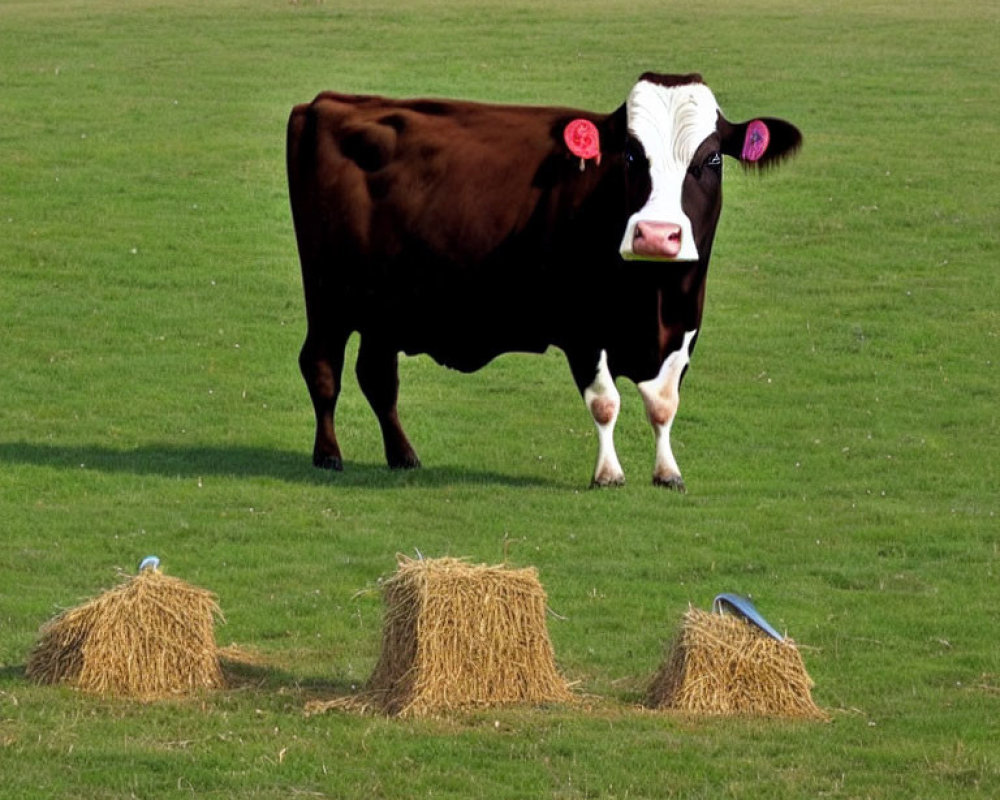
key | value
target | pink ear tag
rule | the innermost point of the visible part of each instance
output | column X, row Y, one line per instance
column 583, row 140
column 757, row 139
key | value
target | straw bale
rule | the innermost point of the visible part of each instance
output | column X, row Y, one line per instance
column 724, row 665
column 459, row 635
column 151, row 636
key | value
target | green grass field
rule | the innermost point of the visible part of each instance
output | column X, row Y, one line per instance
column 838, row 429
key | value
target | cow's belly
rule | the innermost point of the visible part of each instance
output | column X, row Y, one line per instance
column 467, row 339
column 462, row 324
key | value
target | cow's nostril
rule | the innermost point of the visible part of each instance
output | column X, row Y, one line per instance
column 657, row 240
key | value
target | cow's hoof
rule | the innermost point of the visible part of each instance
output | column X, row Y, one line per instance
column 674, row 482
column 605, row 483
column 328, row 462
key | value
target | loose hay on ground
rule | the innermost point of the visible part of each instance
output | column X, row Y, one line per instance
column 458, row 635
column 724, row 665
column 152, row 636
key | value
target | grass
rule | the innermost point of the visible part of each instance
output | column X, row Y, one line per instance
column 838, row 429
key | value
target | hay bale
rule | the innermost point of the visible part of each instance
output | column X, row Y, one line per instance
column 724, row 665
column 152, row 636
column 459, row 635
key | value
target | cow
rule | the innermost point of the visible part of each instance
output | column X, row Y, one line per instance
column 465, row 230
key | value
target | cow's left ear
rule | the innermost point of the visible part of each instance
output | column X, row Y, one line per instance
column 760, row 142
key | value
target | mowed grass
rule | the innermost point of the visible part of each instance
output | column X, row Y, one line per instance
column 838, row 428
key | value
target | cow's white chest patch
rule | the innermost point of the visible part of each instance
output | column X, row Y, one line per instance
column 671, row 122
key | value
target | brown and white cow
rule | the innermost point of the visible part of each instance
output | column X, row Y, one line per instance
column 466, row 230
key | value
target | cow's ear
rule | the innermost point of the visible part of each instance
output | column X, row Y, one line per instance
column 583, row 140
column 759, row 143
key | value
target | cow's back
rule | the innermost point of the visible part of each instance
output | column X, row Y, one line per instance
column 449, row 180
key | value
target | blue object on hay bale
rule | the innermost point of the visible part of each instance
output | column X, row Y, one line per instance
column 745, row 609
column 149, row 562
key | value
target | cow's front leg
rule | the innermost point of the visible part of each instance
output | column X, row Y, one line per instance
column 661, row 396
column 603, row 401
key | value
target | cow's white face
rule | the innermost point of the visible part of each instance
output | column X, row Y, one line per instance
column 670, row 122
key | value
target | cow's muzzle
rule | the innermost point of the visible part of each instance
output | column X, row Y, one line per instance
column 649, row 238
column 657, row 240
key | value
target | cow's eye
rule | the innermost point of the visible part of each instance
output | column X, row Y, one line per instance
column 713, row 162
column 634, row 154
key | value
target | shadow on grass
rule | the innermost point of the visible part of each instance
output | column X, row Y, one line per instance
column 240, row 674
column 13, row 673
column 171, row 461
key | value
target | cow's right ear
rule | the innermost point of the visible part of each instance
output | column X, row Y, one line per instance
column 759, row 143
column 583, row 140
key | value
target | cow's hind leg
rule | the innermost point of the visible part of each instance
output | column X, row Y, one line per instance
column 597, row 386
column 321, row 361
column 661, row 396
column 378, row 376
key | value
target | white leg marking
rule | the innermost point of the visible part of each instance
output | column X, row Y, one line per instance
column 661, row 396
column 603, row 401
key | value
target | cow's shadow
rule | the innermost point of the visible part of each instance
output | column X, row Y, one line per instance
column 196, row 461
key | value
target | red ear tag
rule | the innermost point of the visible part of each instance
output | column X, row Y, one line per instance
column 583, row 140
column 757, row 139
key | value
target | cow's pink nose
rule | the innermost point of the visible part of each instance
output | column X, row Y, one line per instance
column 657, row 239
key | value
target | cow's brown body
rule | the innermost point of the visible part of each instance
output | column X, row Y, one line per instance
column 465, row 230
